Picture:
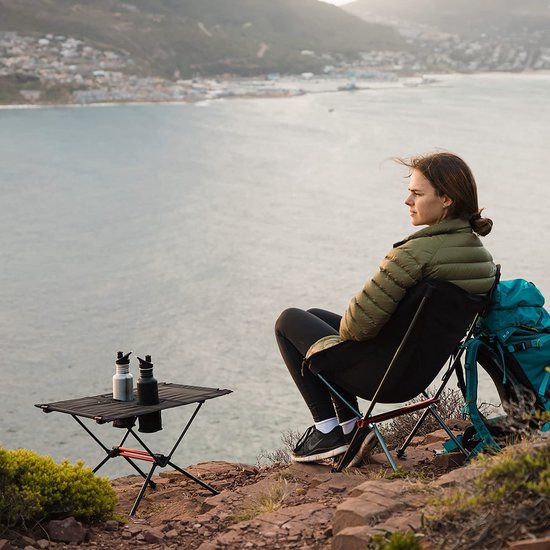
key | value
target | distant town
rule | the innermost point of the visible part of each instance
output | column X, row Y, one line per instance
column 63, row 69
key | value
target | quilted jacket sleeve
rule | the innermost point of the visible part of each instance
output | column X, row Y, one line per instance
column 372, row 307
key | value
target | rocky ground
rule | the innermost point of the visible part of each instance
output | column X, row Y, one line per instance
column 302, row 507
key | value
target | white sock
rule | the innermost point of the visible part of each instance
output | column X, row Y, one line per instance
column 326, row 426
column 348, row 425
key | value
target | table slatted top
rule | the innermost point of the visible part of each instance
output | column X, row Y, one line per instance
column 103, row 408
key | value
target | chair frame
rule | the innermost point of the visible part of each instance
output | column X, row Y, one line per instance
column 368, row 422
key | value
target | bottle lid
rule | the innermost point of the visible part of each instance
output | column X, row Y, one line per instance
column 123, row 359
column 145, row 363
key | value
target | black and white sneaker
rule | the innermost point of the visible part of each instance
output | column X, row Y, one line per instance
column 315, row 445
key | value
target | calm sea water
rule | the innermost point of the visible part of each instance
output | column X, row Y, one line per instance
column 181, row 231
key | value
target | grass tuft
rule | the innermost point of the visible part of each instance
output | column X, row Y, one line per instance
column 265, row 502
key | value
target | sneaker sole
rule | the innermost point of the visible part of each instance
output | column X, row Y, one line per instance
column 320, row 456
column 365, row 450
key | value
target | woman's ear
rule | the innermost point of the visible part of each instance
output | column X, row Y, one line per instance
column 447, row 201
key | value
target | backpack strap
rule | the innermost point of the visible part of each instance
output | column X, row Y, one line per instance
column 498, row 345
column 460, row 378
column 542, row 390
column 470, row 368
column 522, row 346
column 545, row 380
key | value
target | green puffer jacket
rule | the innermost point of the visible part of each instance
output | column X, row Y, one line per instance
column 448, row 250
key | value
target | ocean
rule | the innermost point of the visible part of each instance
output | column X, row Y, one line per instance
column 182, row 230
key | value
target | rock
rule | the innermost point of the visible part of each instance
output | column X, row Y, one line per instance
column 435, row 437
column 383, row 487
column 111, row 525
column 66, row 530
column 153, row 536
column 5, row 545
column 457, row 476
column 531, row 544
column 43, row 543
column 134, row 529
column 407, row 521
column 310, row 470
column 447, row 461
column 355, row 512
column 172, row 534
column 352, row 538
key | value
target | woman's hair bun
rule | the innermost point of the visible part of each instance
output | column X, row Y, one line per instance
column 482, row 226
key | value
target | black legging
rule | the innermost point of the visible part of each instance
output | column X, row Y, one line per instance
column 357, row 368
column 296, row 330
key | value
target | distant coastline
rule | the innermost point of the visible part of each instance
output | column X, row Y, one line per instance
column 283, row 87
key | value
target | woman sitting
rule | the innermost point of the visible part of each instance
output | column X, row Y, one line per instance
column 443, row 197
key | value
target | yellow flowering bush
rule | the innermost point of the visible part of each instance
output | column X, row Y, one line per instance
column 34, row 487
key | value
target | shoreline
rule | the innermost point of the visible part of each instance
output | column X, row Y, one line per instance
column 134, row 103
column 286, row 93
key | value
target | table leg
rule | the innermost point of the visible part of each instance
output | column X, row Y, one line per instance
column 195, row 479
column 152, row 484
column 91, row 434
column 112, row 453
column 200, row 404
column 142, row 490
column 108, row 457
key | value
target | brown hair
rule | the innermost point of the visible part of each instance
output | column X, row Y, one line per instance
column 451, row 176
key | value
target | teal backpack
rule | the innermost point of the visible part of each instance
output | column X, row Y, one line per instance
column 512, row 338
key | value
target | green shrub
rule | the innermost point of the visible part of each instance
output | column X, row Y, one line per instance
column 395, row 541
column 34, row 487
column 507, row 501
column 520, row 471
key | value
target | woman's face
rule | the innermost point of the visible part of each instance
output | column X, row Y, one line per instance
column 425, row 206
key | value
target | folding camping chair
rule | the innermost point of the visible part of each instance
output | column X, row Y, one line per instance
column 424, row 333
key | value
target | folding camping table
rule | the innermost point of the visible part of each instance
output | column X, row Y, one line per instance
column 103, row 408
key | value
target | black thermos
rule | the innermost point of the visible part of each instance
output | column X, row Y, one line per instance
column 148, row 394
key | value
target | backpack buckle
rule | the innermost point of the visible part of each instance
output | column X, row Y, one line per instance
column 522, row 346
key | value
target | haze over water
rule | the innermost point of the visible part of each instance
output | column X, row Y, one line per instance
column 182, row 231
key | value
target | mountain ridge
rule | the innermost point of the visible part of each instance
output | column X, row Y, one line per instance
column 190, row 37
column 467, row 18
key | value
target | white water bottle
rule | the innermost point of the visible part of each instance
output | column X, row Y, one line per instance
column 123, row 381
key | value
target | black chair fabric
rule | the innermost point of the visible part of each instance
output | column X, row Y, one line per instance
column 360, row 366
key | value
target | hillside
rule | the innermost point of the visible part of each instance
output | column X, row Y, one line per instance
column 429, row 503
column 466, row 18
column 206, row 36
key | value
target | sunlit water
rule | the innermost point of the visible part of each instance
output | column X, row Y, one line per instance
column 181, row 231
